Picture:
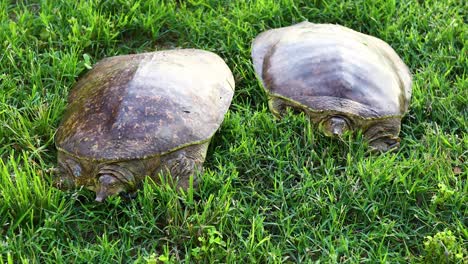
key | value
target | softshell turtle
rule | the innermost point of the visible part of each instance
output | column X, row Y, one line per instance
column 137, row 115
column 342, row 79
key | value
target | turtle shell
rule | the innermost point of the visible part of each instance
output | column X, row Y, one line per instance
column 143, row 105
column 331, row 68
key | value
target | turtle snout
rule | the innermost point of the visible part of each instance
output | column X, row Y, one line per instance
column 102, row 192
column 101, row 196
column 335, row 126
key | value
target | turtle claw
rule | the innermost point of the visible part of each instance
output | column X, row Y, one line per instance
column 129, row 196
column 384, row 144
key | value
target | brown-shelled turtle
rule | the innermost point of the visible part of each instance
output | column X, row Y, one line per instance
column 138, row 115
column 342, row 79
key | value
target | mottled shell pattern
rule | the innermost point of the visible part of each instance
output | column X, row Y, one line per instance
column 331, row 68
column 143, row 105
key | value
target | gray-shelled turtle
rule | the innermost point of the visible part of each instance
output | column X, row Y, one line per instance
column 137, row 115
column 342, row 79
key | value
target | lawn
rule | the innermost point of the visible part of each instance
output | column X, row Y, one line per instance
column 273, row 191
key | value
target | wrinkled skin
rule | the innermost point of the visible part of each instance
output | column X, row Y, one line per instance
column 106, row 178
column 122, row 177
column 382, row 134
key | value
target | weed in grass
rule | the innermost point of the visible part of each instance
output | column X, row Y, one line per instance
column 444, row 248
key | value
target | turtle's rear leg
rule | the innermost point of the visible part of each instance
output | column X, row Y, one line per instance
column 184, row 163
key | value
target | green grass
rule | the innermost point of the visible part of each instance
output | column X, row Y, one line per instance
column 273, row 191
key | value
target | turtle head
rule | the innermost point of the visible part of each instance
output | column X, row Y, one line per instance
column 109, row 185
column 335, row 126
column 113, row 180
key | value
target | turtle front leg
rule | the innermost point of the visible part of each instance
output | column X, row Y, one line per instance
column 384, row 144
column 277, row 107
column 186, row 162
column 280, row 107
column 383, row 135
